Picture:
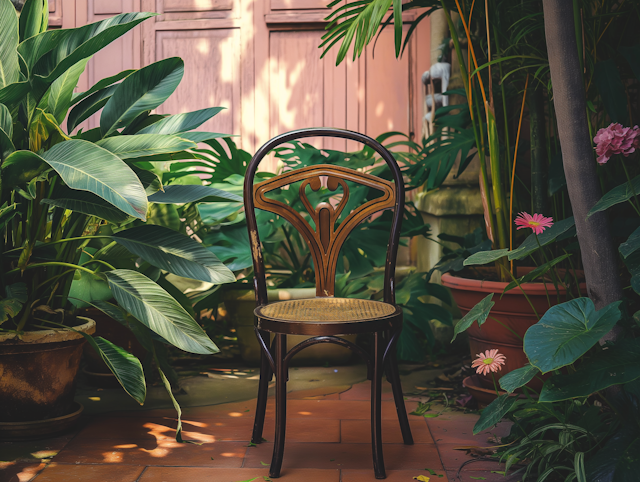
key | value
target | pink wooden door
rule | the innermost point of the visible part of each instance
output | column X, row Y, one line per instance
column 260, row 59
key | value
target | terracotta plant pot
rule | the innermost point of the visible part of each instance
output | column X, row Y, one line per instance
column 240, row 305
column 38, row 372
column 512, row 310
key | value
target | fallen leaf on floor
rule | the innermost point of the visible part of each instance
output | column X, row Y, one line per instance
column 417, row 399
column 431, row 471
column 478, row 478
column 251, row 444
column 422, row 478
column 249, row 480
column 499, row 472
column 421, row 388
column 443, row 378
column 475, row 450
column 267, row 479
column 431, row 415
column 264, row 463
column 421, row 409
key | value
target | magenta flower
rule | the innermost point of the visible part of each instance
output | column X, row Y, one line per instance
column 616, row 139
column 489, row 361
column 538, row 223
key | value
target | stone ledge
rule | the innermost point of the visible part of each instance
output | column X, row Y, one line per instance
column 451, row 201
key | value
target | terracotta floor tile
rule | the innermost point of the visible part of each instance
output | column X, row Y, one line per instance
column 19, row 471
column 322, row 393
column 392, row 475
column 336, row 409
column 104, row 473
column 362, row 391
column 199, row 474
column 346, row 456
column 359, row 431
column 244, row 409
column 150, row 452
column 305, row 430
column 453, row 459
column 126, row 428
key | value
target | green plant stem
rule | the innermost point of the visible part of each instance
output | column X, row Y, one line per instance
column 98, row 261
column 506, row 327
column 50, row 263
column 495, row 385
column 525, row 295
column 635, row 206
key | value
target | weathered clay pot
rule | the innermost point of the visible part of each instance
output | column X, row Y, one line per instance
column 38, row 371
column 512, row 310
column 240, row 306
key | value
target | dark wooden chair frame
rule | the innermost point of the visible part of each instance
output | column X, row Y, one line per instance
column 325, row 243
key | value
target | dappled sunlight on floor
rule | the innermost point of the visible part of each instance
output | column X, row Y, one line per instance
column 328, row 440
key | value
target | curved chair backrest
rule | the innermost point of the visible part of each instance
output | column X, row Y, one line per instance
column 326, row 240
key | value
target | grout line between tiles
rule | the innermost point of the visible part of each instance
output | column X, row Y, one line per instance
column 142, row 473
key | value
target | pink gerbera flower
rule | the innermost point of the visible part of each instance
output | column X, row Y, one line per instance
column 616, row 139
column 538, row 223
column 489, row 361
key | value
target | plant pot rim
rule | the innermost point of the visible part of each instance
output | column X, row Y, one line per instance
column 469, row 284
column 50, row 336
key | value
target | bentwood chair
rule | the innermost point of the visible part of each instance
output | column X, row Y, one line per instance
column 325, row 316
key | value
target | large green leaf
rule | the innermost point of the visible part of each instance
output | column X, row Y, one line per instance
column 102, row 84
column 177, row 123
column 620, row 456
column 49, row 54
column 143, row 90
column 20, row 167
column 484, row 257
column 180, row 194
column 130, row 147
column 87, row 203
column 15, row 92
column 199, row 136
column 9, row 38
column 611, row 90
column 87, row 167
column 617, row 195
column 87, row 287
column 480, row 312
column 567, row 331
column 631, row 245
column 174, row 252
column 6, row 146
column 518, row 378
column 548, row 236
column 6, row 121
column 126, row 367
column 59, row 94
column 89, row 106
column 494, row 412
column 34, row 18
column 157, row 310
column 616, row 365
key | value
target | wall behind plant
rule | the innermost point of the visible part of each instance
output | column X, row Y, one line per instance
column 260, row 59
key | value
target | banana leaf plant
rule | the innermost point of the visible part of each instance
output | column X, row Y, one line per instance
column 69, row 201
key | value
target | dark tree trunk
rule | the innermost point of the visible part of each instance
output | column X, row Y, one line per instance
column 598, row 254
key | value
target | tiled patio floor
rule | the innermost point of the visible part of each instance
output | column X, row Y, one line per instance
column 328, row 440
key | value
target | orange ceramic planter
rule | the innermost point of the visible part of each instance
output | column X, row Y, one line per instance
column 512, row 310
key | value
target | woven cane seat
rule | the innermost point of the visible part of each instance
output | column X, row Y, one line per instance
column 300, row 316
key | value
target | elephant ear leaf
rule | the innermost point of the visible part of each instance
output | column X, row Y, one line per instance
column 567, row 331
column 158, row 311
column 9, row 38
column 141, row 91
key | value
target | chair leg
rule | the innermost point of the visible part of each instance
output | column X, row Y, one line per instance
column 376, row 407
column 393, row 375
column 281, row 406
column 263, row 389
